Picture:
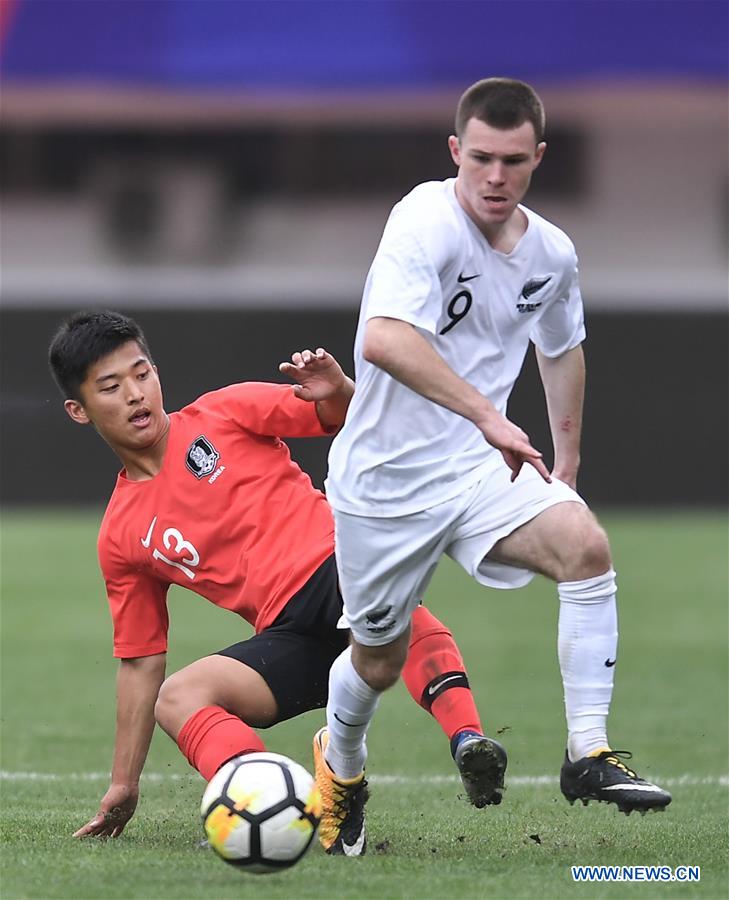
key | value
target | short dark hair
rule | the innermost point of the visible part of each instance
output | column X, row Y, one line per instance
column 502, row 103
column 83, row 339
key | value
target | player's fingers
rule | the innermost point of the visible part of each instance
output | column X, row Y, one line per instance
column 321, row 352
column 512, row 461
column 286, row 368
column 540, row 467
column 111, row 827
column 293, row 371
column 525, row 451
column 90, row 827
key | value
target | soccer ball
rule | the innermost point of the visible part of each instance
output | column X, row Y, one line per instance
column 260, row 812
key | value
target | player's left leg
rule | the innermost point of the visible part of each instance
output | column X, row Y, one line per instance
column 566, row 543
column 435, row 676
column 212, row 706
column 209, row 707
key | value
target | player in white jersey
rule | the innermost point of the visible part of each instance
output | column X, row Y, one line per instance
column 427, row 463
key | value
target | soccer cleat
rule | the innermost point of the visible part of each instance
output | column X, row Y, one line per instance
column 603, row 777
column 481, row 763
column 342, row 827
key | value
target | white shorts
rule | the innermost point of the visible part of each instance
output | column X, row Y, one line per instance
column 385, row 564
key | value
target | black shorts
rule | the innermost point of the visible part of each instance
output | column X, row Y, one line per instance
column 294, row 654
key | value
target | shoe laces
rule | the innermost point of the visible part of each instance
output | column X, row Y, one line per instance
column 344, row 798
column 613, row 757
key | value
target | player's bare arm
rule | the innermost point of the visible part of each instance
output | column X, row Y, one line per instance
column 319, row 379
column 138, row 684
column 396, row 347
column 563, row 378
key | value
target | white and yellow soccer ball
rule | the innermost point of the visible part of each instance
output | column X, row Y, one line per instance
column 260, row 812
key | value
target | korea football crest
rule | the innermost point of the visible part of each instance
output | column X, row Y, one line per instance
column 201, row 457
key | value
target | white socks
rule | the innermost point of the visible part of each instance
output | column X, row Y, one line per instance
column 588, row 639
column 587, row 645
column 352, row 704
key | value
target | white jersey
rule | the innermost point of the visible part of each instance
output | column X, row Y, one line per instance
column 399, row 453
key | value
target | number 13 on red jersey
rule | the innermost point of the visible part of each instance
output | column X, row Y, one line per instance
column 173, row 540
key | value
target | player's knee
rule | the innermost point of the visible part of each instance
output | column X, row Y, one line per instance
column 381, row 675
column 163, row 703
column 379, row 669
column 591, row 553
column 172, row 698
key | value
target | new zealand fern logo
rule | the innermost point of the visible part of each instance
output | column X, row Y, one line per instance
column 532, row 286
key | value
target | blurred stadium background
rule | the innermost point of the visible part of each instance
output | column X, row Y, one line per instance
column 223, row 171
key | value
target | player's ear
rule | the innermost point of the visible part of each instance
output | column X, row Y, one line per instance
column 539, row 153
column 455, row 147
column 75, row 410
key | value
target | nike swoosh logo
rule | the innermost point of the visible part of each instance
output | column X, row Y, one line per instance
column 357, row 847
column 147, row 540
column 349, row 724
column 462, row 279
column 610, row 662
column 436, row 687
column 645, row 788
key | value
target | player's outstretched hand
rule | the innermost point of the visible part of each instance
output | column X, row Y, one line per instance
column 513, row 444
column 318, row 375
column 116, row 809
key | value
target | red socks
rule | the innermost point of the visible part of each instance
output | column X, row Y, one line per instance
column 434, row 674
column 436, row 678
column 212, row 736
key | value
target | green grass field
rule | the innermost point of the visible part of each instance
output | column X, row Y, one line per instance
column 670, row 709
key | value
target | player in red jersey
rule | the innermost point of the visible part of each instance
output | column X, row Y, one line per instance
column 209, row 499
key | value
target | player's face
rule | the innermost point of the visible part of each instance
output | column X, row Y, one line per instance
column 122, row 398
column 494, row 170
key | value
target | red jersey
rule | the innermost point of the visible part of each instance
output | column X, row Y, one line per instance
column 229, row 516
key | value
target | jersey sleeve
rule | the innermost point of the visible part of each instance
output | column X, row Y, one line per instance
column 404, row 279
column 138, row 606
column 562, row 325
column 269, row 409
